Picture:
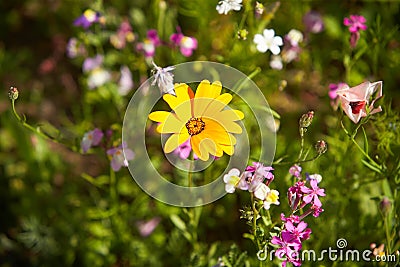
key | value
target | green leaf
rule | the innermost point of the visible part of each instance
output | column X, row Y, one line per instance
column 178, row 222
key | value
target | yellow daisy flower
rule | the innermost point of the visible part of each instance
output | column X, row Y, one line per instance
column 202, row 117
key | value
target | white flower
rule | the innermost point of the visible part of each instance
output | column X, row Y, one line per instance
column 268, row 40
column 315, row 176
column 262, row 191
column 225, row 6
column 98, row 77
column 164, row 79
column 271, row 198
column 125, row 82
column 231, row 180
column 295, row 37
column 276, row 62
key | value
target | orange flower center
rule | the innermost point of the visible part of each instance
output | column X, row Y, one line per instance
column 195, row 126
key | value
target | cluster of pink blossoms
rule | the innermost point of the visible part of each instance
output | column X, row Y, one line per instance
column 295, row 231
column 252, row 180
column 186, row 44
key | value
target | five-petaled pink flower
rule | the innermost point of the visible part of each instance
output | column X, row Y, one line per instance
column 120, row 156
column 91, row 138
column 355, row 23
column 355, row 101
column 313, row 193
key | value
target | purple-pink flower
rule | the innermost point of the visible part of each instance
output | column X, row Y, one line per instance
column 355, row 23
column 300, row 232
column 333, row 87
column 123, row 35
column 313, row 22
column 91, row 63
column 148, row 46
column 295, row 170
column 147, row 227
column 183, row 151
column 186, row 44
column 90, row 139
column 120, row 156
column 311, row 194
column 87, row 18
column 260, row 170
column 288, row 248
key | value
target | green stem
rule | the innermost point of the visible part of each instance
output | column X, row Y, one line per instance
column 255, row 215
column 30, row 127
column 190, row 170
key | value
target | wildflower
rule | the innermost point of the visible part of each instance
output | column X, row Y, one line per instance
column 259, row 9
column 125, row 81
column 385, row 206
column 306, row 119
column 148, row 46
column 231, row 180
column 147, row 227
column 299, row 232
column 276, row 62
column 98, row 77
column 74, row 48
column 120, row 156
column 92, row 63
column 164, row 79
column 259, row 169
column 88, row 18
column 294, row 37
column 316, row 210
column 201, row 118
column 186, row 44
column 123, row 35
column 91, row 138
column 271, row 198
column 321, row 147
column 295, row 170
column 13, row 93
column 289, row 248
column 261, row 191
column 225, row 6
column 355, row 101
column 183, row 151
column 292, row 218
column 355, row 23
column 312, row 194
column 268, row 41
column 313, row 22
column 295, row 195
column 291, row 49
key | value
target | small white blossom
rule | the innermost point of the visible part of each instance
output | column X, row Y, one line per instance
column 315, row 176
column 262, row 191
column 294, row 37
column 268, row 41
column 98, row 77
column 225, row 6
column 276, row 62
column 231, row 180
column 125, row 82
column 164, row 79
column 271, row 198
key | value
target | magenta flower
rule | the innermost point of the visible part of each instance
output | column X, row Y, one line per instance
column 355, row 23
column 355, row 101
column 301, row 232
column 90, row 139
column 292, row 218
column 120, row 156
column 295, row 170
column 87, row 18
column 313, row 193
column 186, row 44
column 316, row 210
column 148, row 46
column 289, row 248
column 313, row 22
column 183, row 151
column 260, row 170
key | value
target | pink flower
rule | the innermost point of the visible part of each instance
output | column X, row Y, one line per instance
column 355, row 23
column 300, row 232
column 259, row 169
column 183, row 151
column 295, row 170
column 147, row 227
column 289, row 248
column 186, row 44
column 313, row 22
column 123, row 35
column 313, row 193
column 120, row 156
column 355, row 101
column 91, row 138
column 148, row 46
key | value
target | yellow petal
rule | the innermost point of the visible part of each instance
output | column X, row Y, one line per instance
column 226, row 119
column 228, row 149
column 200, row 105
column 217, row 104
column 171, row 125
column 184, row 111
column 195, row 144
column 173, row 142
column 181, row 91
column 207, row 90
column 216, row 132
column 159, row 116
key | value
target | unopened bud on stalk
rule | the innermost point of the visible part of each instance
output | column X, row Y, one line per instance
column 321, row 147
column 242, row 34
column 306, row 119
column 385, row 205
column 13, row 93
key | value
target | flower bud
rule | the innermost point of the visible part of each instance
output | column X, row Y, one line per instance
column 13, row 93
column 385, row 205
column 242, row 34
column 306, row 119
column 259, row 9
column 321, row 147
